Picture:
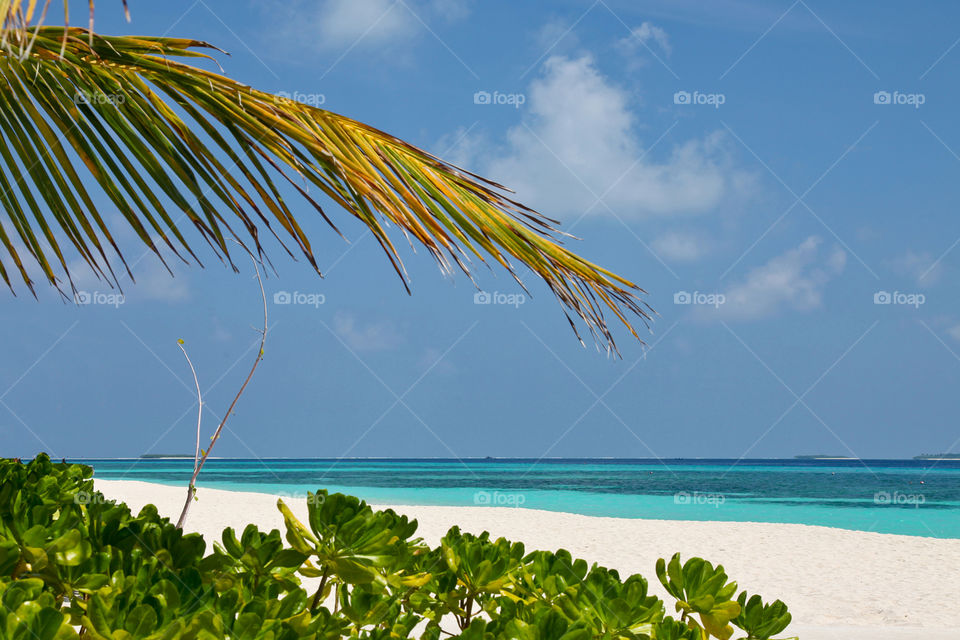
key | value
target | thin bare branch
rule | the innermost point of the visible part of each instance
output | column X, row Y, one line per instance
column 191, row 489
column 198, row 465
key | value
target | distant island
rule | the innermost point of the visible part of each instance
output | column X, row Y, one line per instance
column 937, row 456
column 166, row 455
column 824, row 457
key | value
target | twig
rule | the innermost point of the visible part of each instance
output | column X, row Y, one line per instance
column 191, row 489
column 316, row 598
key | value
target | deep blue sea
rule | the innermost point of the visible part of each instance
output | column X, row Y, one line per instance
column 920, row 498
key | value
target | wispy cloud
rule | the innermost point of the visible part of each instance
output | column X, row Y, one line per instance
column 793, row 280
column 366, row 336
column 154, row 282
column 954, row 332
column 433, row 360
column 451, row 9
column 680, row 246
column 340, row 25
column 921, row 266
column 644, row 39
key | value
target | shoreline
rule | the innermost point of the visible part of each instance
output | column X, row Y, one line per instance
column 837, row 583
column 404, row 502
column 404, row 507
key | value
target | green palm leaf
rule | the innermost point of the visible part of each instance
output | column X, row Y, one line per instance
column 151, row 130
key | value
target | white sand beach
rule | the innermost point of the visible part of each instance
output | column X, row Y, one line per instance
column 839, row 584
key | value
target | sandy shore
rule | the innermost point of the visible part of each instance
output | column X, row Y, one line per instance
column 839, row 584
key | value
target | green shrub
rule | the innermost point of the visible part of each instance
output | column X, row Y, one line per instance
column 73, row 564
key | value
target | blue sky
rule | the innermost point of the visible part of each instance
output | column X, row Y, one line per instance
column 780, row 177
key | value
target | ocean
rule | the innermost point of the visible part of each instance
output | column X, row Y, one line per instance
column 910, row 497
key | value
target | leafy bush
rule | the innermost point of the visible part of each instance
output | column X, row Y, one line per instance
column 76, row 565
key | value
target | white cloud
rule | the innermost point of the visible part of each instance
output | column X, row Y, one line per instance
column 954, row 332
column 921, row 266
column 679, row 246
column 555, row 36
column 154, row 282
column 220, row 333
column 451, row 9
column 434, row 360
column 646, row 37
column 460, row 148
column 577, row 141
column 360, row 336
column 151, row 280
column 341, row 23
column 792, row 280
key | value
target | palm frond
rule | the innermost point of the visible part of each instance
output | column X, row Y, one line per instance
column 133, row 114
column 18, row 16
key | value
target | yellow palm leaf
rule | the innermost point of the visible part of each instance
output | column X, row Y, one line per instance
column 133, row 112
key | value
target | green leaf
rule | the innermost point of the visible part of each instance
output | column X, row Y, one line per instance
column 141, row 621
column 9, row 556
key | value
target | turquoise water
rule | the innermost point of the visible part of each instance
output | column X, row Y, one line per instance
column 920, row 498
